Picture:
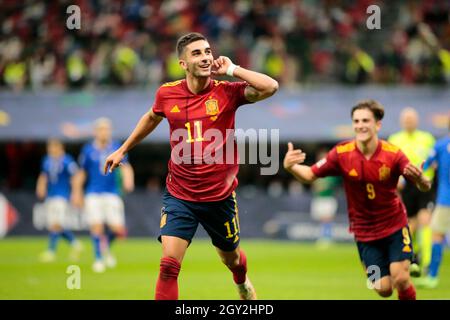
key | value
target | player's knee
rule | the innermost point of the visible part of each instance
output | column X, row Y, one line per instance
column 401, row 279
column 384, row 292
column 231, row 261
column 169, row 267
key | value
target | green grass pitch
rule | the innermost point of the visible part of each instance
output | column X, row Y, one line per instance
column 278, row 269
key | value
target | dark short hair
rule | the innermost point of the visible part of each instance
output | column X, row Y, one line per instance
column 372, row 105
column 187, row 39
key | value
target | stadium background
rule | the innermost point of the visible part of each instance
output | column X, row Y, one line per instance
column 54, row 82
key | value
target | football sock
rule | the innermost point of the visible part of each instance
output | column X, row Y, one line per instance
column 97, row 249
column 68, row 235
column 167, row 283
column 53, row 238
column 408, row 294
column 436, row 258
column 240, row 271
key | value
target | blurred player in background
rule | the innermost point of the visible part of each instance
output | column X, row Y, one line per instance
column 371, row 168
column 440, row 222
column 324, row 204
column 102, row 204
column 203, row 191
column 416, row 145
column 54, row 185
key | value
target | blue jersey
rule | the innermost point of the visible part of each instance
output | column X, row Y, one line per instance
column 441, row 156
column 92, row 161
column 58, row 172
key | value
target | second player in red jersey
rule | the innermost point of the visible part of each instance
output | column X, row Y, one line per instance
column 371, row 168
column 375, row 210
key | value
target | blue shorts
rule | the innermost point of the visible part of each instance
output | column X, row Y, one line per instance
column 180, row 218
column 382, row 252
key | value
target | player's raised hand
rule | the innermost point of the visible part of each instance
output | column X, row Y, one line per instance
column 220, row 65
column 113, row 161
column 293, row 157
column 412, row 172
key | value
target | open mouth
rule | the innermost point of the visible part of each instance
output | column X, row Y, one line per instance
column 205, row 67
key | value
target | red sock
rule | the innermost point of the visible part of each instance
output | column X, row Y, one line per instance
column 167, row 285
column 240, row 271
column 408, row 294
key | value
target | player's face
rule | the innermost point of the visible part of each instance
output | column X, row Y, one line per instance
column 197, row 59
column 365, row 125
column 55, row 148
column 103, row 133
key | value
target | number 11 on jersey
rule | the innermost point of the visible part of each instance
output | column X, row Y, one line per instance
column 198, row 127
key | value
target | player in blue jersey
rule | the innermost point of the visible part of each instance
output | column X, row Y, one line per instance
column 102, row 202
column 54, row 186
column 440, row 223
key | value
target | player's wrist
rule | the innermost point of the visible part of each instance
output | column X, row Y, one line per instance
column 231, row 68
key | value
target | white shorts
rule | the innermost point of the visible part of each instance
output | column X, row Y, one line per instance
column 323, row 208
column 440, row 221
column 102, row 208
column 56, row 211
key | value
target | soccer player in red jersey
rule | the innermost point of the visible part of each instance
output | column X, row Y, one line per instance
column 371, row 168
column 204, row 161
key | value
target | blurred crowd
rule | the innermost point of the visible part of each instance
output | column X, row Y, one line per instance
column 132, row 42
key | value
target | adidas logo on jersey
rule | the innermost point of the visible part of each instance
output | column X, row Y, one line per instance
column 175, row 109
column 353, row 173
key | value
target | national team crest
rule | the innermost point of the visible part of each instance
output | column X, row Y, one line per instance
column 385, row 172
column 212, row 107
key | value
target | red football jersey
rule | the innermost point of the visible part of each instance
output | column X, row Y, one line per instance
column 374, row 207
column 204, row 159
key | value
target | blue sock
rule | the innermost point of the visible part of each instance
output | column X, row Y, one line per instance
column 111, row 236
column 68, row 235
column 97, row 248
column 436, row 259
column 53, row 238
column 327, row 230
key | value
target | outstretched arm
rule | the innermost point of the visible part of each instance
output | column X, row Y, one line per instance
column 144, row 127
column 292, row 161
column 260, row 86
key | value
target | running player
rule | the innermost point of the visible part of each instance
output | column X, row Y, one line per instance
column 370, row 168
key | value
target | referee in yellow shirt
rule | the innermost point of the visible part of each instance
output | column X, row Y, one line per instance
column 416, row 145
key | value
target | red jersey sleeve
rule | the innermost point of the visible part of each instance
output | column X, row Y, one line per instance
column 157, row 104
column 328, row 166
column 236, row 93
